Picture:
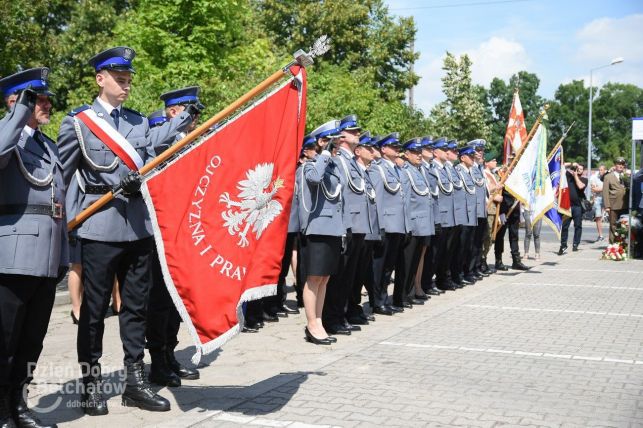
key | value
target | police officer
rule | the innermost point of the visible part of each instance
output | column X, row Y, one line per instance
column 424, row 283
column 33, row 237
column 460, row 213
column 419, row 205
column 117, row 240
column 464, row 252
column 356, row 218
column 447, row 219
column 477, row 268
column 391, row 213
column 364, row 156
column 182, row 108
column 322, row 229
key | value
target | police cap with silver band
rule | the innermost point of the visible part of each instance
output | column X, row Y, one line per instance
column 119, row 59
column 452, row 145
column 349, row 123
column 36, row 79
column 157, row 118
column 427, row 142
column 440, row 143
column 188, row 95
column 392, row 139
column 414, row 145
column 329, row 129
column 477, row 144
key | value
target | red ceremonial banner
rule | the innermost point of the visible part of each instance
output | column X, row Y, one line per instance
column 220, row 213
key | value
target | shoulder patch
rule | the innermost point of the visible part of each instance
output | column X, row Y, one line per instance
column 77, row 110
column 133, row 111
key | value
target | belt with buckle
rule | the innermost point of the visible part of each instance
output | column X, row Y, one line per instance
column 54, row 210
column 92, row 189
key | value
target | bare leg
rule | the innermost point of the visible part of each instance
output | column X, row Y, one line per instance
column 418, row 275
column 313, row 296
column 75, row 286
column 293, row 262
column 116, row 296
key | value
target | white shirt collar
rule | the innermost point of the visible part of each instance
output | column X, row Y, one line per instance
column 29, row 130
column 362, row 167
column 107, row 106
column 346, row 151
column 438, row 163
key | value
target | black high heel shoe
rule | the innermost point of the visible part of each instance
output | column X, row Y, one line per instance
column 312, row 339
column 73, row 318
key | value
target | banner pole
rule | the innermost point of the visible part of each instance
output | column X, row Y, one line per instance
column 302, row 58
column 510, row 169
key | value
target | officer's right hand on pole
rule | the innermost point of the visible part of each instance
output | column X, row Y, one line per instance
column 193, row 110
column 28, row 98
column 131, row 183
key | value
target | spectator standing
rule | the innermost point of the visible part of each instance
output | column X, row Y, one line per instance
column 615, row 196
column 596, row 185
column 532, row 231
column 577, row 184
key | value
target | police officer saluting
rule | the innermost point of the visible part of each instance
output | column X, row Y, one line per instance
column 33, row 237
column 117, row 240
column 182, row 107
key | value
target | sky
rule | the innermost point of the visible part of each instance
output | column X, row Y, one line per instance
column 558, row 40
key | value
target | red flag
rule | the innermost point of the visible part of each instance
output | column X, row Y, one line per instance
column 516, row 134
column 220, row 213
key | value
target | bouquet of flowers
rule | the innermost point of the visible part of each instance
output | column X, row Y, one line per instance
column 614, row 252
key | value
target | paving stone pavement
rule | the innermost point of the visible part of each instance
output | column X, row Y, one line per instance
column 558, row 346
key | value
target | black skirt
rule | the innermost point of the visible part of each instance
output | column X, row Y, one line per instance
column 320, row 254
column 74, row 250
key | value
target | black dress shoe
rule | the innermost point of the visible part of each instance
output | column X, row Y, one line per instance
column 357, row 320
column 138, row 392
column 269, row 317
column 368, row 317
column 501, row 266
column 407, row 304
column 337, row 329
column 247, row 329
column 312, row 339
column 575, row 248
column 352, row 327
column 469, row 280
column 22, row 415
column 278, row 311
column 413, row 301
column 562, row 250
column 479, row 275
column 160, row 373
column 382, row 310
column 421, row 297
column 433, row 292
column 73, row 318
column 288, row 310
column 180, row 370
column 332, row 339
column 396, row 309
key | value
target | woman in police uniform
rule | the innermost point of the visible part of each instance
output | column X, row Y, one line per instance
column 322, row 228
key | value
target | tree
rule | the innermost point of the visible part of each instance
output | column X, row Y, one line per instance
column 571, row 104
column 365, row 37
column 462, row 114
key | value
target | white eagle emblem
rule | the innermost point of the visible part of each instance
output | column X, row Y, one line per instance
column 256, row 207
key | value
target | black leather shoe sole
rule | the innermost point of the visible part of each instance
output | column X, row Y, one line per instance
column 382, row 311
column 192, row 375
column 143, row 405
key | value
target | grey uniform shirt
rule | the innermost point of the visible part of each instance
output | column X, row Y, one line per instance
column 469, row 190
column 459, row 198
column 30, row 174
column 356, row 210
column 170, row 132
column 419, row 202
column 446, row 196
column 124, row 219
column 389, row 192
column 477, row 173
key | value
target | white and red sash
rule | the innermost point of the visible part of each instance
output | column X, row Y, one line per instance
column 110, row 136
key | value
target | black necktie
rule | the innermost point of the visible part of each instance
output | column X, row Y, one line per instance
column 114, row 115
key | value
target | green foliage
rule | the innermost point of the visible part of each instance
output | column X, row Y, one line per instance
column 462, row 114
column 571, row 103
column 365, row 37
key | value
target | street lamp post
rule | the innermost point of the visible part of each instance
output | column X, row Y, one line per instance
column 588, row 191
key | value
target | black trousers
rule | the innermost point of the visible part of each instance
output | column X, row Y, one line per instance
column 278, row 299
column 384, row 259
column 430, row 257
column 363, row 278
column 577, row 218
column 443, row 259
column 25, row 308
column 463, row 252
column 481, row 230
column 513, row 224
column 340, row 285
column 163, row 320
column 131, row 263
